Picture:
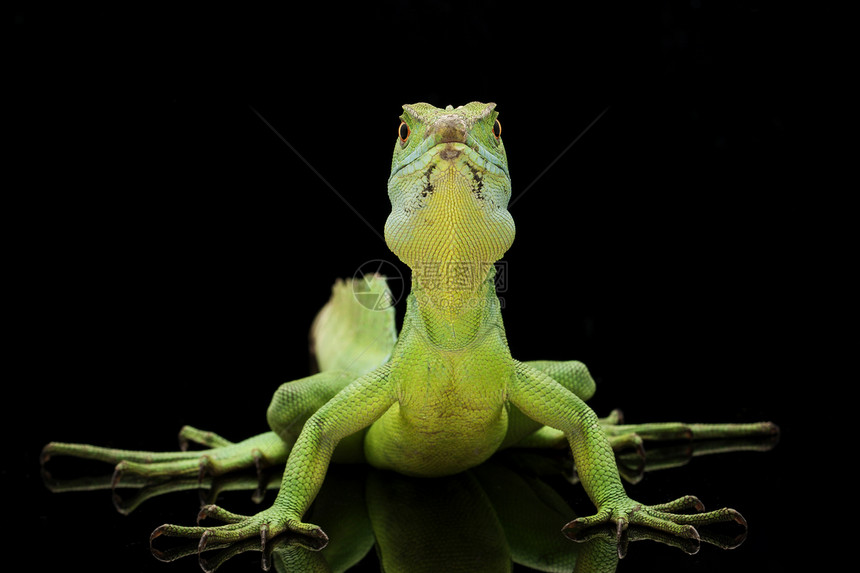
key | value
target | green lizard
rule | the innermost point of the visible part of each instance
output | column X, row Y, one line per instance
column 444, row 394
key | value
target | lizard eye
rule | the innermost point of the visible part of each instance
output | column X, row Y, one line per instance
column 497, row 130
column 403, row 132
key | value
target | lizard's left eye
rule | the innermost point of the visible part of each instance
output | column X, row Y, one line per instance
column 403, row 132
column 497, row 130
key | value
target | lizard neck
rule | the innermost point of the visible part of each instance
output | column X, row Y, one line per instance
column 453, row 304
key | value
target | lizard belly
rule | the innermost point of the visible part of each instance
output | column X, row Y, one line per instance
column 435, row 441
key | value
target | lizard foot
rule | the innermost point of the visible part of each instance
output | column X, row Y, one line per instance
column 662, row 517
column 264, row 525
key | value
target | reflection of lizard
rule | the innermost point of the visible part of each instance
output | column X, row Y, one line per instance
column 445, row 394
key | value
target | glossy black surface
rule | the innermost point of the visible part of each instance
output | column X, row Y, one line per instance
column 172, row 250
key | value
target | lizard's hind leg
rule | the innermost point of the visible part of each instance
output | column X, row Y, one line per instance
column 259, row 451
column 293, row 404
column 671, row 431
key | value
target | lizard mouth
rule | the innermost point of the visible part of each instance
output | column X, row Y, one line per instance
column 449, row 153
column 451, row 149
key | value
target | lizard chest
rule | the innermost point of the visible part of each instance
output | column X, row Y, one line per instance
column 450, row 415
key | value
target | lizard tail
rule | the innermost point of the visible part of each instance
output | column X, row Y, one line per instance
column 355, row 330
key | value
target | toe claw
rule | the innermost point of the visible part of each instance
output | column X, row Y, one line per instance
column 264, row 536
column 573, row 527
column 690, row 532
column 203, row 469
column 621, row 525
column 321, row 539
column 259, row 495
column 45, row 455
column 118, row 504
column 260, row 492
column 258, row 461
column 152, row 537
column 640, row 449
column 622, row 547
column 117, row 475
column 204, row 541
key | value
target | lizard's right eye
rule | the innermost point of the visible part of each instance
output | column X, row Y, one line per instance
column 403, row 132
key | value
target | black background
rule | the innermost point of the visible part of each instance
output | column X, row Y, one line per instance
column 170, row 250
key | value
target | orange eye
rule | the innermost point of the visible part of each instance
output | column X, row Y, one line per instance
column 497, row 129
column 403, row 132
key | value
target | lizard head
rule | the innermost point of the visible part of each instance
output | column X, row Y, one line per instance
column 449, row 187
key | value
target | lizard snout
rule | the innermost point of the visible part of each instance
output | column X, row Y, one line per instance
column 449, row 129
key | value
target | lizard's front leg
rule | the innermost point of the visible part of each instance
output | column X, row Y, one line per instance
column 351, row 410
column 546, row 401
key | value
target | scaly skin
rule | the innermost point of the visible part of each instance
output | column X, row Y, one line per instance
column 449, row 394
